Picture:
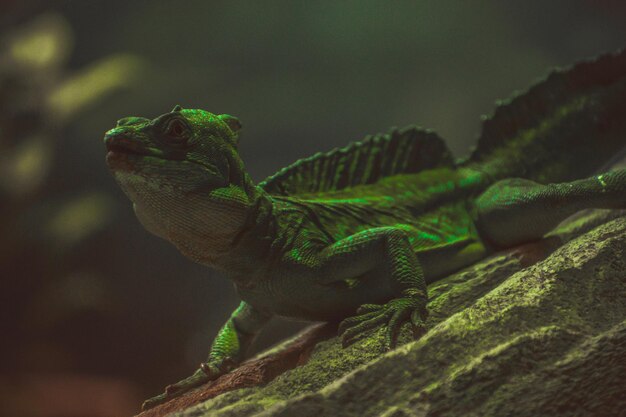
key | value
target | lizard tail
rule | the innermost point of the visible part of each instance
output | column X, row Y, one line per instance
column 564, row 127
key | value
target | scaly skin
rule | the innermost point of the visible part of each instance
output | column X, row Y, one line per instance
column 363, row 247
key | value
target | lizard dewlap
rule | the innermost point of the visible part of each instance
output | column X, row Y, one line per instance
column 355, row 234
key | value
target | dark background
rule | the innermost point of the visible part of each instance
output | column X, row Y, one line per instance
column 96, row 313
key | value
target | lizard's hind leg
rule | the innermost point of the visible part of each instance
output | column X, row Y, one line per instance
column 515, row 211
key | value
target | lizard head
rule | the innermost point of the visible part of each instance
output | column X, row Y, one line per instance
column 185, row 149
column 181, row 170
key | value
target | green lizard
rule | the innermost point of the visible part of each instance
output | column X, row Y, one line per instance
column 356, row 234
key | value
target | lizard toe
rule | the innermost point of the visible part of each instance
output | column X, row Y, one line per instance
column 353, row 321
column 418, row 323
column 369, row 308
column 399, row 317
column 359, row 330
column 179, row 388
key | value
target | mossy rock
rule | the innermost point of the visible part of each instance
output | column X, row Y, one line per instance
column 508, row 336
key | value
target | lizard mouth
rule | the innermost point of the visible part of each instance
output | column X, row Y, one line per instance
column 122, row 145
column 123, row 152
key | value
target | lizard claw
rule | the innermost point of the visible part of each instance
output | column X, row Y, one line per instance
column 207, row 372
column 418, row 323
column 394, row 314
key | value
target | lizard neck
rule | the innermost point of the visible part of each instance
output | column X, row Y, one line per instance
column 206, row 226
column 252, row 249
column 227, row 222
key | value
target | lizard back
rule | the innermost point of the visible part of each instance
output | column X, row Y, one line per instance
column 408, row 179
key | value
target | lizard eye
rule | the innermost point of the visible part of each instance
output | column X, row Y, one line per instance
column 175, row 129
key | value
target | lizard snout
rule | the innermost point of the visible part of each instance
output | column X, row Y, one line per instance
column 120, row 140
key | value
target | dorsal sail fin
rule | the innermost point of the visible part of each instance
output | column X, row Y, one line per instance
column 561, row 128
column 400, row 151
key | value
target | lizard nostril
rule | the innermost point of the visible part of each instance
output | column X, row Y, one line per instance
column 112, row 135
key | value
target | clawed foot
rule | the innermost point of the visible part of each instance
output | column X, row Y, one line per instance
column 394, row 314
column 206, row 373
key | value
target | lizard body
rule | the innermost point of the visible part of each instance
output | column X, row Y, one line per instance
column 357, row 233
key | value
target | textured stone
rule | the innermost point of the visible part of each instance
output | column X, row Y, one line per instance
column 511, row 335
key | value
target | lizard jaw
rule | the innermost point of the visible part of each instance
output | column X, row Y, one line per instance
column 120, row 160
column 123, row 152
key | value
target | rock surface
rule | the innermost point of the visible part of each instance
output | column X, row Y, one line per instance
column 524, row 332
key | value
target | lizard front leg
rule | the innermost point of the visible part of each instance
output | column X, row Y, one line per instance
column 385, row 251
column 227, row 350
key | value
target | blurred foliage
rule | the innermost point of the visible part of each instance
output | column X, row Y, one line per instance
column 86, row 292
column 40, row 231
column 23, row 168
column 91, row 84
column 43, row 45
column 79, row 218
